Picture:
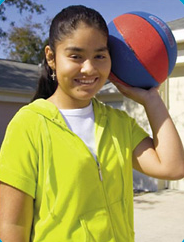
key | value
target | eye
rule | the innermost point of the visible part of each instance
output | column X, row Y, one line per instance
column 100, row 57
column 76, row 57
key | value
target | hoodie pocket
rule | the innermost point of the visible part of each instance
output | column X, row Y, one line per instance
column 97, row 226
column 124, row 229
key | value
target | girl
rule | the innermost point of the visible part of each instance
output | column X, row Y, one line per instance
column 66, row 160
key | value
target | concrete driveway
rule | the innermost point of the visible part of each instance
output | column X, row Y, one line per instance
column 159, row 216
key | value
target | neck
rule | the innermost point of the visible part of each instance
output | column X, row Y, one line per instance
column 64, row 102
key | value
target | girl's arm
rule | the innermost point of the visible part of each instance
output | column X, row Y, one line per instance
column 163, row 156
column 16, row 214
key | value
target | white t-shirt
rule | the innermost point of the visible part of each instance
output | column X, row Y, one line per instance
column 81, row 122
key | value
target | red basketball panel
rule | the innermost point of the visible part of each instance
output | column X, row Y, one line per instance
column 146, row 43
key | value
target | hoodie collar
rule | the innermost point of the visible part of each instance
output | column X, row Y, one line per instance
column 50, row 111
column 45, row 108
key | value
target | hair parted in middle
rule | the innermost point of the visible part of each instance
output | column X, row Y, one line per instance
column 62, row 25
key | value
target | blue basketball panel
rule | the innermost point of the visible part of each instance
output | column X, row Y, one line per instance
column 125, row 65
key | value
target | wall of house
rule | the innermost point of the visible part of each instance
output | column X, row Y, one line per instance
column 7, row 111
column 10, row 102
column 176, row 106
column 176, row 96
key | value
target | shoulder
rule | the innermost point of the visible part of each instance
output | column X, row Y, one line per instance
column 27, row 119
column 24, row 118
column 34, row 112
column 109, row 111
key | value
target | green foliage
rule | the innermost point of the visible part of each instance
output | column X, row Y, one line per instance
column 26, row 43
column 22, row 5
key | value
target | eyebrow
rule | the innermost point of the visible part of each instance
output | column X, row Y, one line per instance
column 77, row 49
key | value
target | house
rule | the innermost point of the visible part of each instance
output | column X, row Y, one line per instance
column 18, row 83
column 175, row 89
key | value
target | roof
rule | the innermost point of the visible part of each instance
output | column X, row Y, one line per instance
column 108, row 88
column 18, row 76
column 176, row 24
column 24, row 77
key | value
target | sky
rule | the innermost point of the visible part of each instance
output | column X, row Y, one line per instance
column 167, row 10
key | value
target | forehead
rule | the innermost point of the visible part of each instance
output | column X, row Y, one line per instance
column 84, row 37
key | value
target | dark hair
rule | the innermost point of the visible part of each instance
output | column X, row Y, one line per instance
column 63, row 24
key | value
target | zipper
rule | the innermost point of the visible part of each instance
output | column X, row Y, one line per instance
column 98, row 137
column 99, row 171
column 63, row 125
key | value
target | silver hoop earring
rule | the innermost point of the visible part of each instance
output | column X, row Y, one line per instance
column 53, row 76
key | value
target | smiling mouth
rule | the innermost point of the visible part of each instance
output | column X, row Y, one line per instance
column 86, row 82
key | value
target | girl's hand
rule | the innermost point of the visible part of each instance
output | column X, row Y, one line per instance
column 139, row 95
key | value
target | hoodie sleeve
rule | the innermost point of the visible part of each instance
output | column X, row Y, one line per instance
column 18, row 155
column 138, row 134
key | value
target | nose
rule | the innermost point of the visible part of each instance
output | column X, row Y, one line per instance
column 88, row 67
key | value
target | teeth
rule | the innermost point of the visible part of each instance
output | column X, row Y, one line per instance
column 85, row 81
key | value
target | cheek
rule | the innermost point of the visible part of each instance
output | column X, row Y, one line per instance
column 67, row 68
column 106, row 68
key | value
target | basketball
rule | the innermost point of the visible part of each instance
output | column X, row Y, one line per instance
column 143, row 50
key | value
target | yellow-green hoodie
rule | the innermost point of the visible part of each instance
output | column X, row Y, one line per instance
column 77, row 199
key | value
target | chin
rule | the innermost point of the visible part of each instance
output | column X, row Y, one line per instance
column 85, row 96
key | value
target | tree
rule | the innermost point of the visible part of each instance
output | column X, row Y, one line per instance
column 22, row 5
column 26, row 43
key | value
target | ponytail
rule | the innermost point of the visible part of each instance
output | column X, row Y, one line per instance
column 63, row 24
column 46, row 86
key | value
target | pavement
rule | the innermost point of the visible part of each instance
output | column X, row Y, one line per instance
column 159, row 216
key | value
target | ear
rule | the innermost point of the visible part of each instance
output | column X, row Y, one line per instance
column 50, row 57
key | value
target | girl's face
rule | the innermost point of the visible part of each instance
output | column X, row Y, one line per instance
column 82, row 65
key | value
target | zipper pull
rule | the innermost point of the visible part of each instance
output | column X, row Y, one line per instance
column 99, row 171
